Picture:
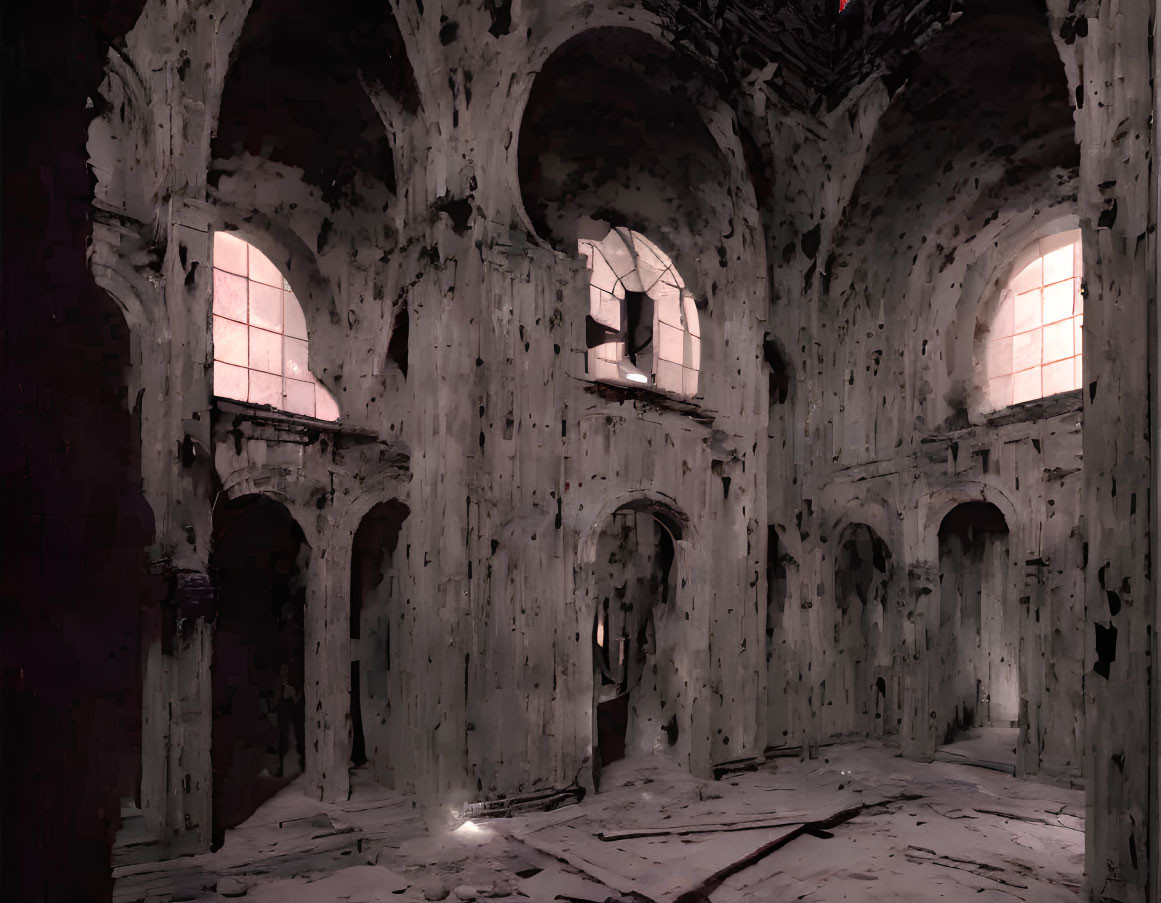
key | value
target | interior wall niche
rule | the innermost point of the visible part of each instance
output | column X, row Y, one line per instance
column 779, row 370
column 259, row 719
column 293, row 93
column 374, row 586
column 866, row 634
column 1030, row 345
column 610, row 131
column 777, row 588
column 260, row 335
column 634, row 628
column 976, row 647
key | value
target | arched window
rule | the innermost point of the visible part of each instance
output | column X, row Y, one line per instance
column 1033, row 344
column 642, row 327
column 260, row 335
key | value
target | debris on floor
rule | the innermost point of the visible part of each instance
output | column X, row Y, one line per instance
column 859, row 823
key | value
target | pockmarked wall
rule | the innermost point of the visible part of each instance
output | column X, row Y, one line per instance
column 922, row 194
column 445, row 304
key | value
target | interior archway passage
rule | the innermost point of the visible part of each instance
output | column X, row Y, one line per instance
column 642, row 327
column 633, row 690
column 259, row 718
column 979, row 623
column 374, row 587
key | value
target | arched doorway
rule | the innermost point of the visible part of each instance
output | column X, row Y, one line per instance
column 374, row 585
column 977, row 645
column 866, row 632
column 257, row 560
column 633, row 687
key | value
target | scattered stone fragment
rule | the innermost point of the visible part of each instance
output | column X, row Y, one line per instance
column 231, row 887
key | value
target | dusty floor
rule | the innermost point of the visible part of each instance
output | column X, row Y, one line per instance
column 988, row 747
column 960, row 833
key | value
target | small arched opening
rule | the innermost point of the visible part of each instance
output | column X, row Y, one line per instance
column 976, row 647
column 257, row 561
column 865, row 634
column 778, row 370
column 778, row 561
column 635, row 686
column 374, row 587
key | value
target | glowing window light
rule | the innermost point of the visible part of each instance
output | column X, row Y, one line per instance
column 259, row 331
column 1034, row 344
column 643, row 324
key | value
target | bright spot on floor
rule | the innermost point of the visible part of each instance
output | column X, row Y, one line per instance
column 470, row 829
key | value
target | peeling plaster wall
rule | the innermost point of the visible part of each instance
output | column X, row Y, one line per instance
column 876, row 291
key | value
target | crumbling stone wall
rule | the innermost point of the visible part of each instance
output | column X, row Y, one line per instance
column 924, row 190
column 451, row 334
column 841, row 237
column 892, row 237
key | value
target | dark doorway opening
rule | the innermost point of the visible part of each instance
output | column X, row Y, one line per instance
column 978, row 689
column 259, row 717
column 634, row 572
column 374, row 585
column 869, row 632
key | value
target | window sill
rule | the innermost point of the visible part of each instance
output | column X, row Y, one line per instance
column 264, row 414
column 648, row 397
column 1038, row 409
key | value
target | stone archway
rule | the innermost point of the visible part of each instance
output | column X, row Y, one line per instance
column 257, row 670
column 374, row 586
column 633, row 588
column 977, row 685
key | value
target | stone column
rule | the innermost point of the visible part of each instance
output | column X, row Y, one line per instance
column 1119, row 217
column 327, row 675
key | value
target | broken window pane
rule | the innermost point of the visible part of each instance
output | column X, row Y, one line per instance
column 259, row 335
column 1033, row 343
column 642, row 327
